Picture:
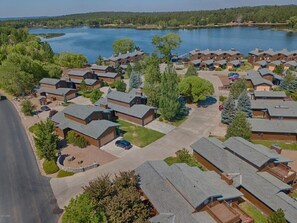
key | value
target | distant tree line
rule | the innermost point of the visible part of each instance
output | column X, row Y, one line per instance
column 258, row 14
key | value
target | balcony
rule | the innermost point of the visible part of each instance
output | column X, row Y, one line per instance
column 282, row 172
column 223, row 213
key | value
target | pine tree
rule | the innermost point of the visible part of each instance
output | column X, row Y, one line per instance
column 277, row 217
column 229, row 110
column 239, row 127
column 191, row 71
column 152, row 80
column 244, row 104
column 135, row 80
column 237, row 88
column 83, row 86
column 169, row 105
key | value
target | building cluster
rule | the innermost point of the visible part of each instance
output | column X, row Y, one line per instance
column 261, row 174
column 237, row 170
column 125, row 58
column 215, row 59
column 271, row 59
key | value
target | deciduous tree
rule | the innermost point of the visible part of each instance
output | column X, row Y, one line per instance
column 237, row 88
column 27, row 107
column 120, row 85
column 165, row 44
column 123, row 45
column 277, row 217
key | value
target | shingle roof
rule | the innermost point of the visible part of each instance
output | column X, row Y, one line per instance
column 276, row 62
column 270, row 94
column 276, row 126
column 261, row 63
column 94, row 129
column 101, row 101
column 269, row 193
column 291, row 63
column 163, row 218
column 196, row 62
column 234, row 62
column 99, row 67
column 121, row 96
column 217, row 52
column 138, row 110
column 208, row 62
column 59, row 91
column 262, row 104
column 79, row 73
column 265, row 71
column 257, row 79
column 255, row 154
column 49, row 81
column 221, row 62
column 179, row 189
column 108, row 75
column 126, row 55
column 282, row 111
column 81, row 111
column 89, row 82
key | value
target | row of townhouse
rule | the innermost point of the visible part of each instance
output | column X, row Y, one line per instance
column 217, row 55
column 271, row 55
column 212, row 64
column 125, row 58
column 272, row 65
column 237, row 170
column 263, row 79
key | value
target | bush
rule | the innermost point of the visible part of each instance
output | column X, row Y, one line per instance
column 232, row 69
column 95, row 95
column 222, row 98
column 112, row 85
column 27, row 107
column 76, row 140
column 218, row 69
column 33, row 128
column 63, row 173
column 50, row 167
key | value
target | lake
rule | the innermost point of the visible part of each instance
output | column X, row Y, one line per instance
column 98, row 41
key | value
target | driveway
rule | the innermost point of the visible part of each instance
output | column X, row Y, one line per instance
column 160, row 126
column 25, row 195
column 199, row 124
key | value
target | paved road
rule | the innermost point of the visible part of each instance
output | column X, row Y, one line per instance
column 200, row 123
column 25, row 195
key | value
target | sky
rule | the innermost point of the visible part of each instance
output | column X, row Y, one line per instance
column 29, row 8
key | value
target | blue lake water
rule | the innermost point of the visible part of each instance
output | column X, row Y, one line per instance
column 93, row 42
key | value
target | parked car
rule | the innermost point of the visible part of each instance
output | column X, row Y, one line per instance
column 207, row 102
column 123, row 144
column 221, row 107
column 45, row 108
column 233, row 75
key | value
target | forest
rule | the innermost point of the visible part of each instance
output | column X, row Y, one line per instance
column 242, row 15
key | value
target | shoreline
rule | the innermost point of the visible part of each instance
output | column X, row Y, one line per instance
column 272, row 26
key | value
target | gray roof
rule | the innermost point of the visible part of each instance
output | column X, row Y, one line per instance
column 82, row 111
column 234, row 62
column 108, row 75
column 163, row 218
column 138, row 110
column 269, row 193
column 208, row 62
column 265, row 71
column 273, row 126
column 126, row 55
column 255, row 154
column 276, row 62
column 262, row 63
column 282, row 111
column 262, row 104
column 89, row 82
column 196, row 62
column 221, row 62
column 99, row 67
column 121, row 96
column 270, row 94
column 217, row 52
column 59, row 91
column 179, row 189
column 79, row 73
column 291, row 63
column 94, row 129
column 257, row 79
column 49, row 81
column 271, row 52
column 101, row 101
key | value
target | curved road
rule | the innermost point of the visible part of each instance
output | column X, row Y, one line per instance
column 200, row 123
column 25, row 195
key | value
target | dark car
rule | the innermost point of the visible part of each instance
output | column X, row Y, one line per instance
column 123, row 144
column 45, row 108
column 207, row 102
column 233, row 76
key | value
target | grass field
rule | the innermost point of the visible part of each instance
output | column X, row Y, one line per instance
column 137, row 135
column 253, row 212
column 283, row 145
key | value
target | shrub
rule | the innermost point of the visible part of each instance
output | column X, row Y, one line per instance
column 63, row 173
column 218, row 69
column 33, row 128
column 76, row 140
column 112, row 85
column 222, row 98
column 27, row 107
column 95, row 95
column 50, row 167
column 232, row 69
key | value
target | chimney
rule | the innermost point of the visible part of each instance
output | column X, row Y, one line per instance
column 227, row 178
column 277, row 148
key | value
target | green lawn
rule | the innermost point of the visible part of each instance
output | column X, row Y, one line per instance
column 191, row 162
column 253, row 212
column 63, row 173
column 137, row 135
column 283, row 145
column 177, row 122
